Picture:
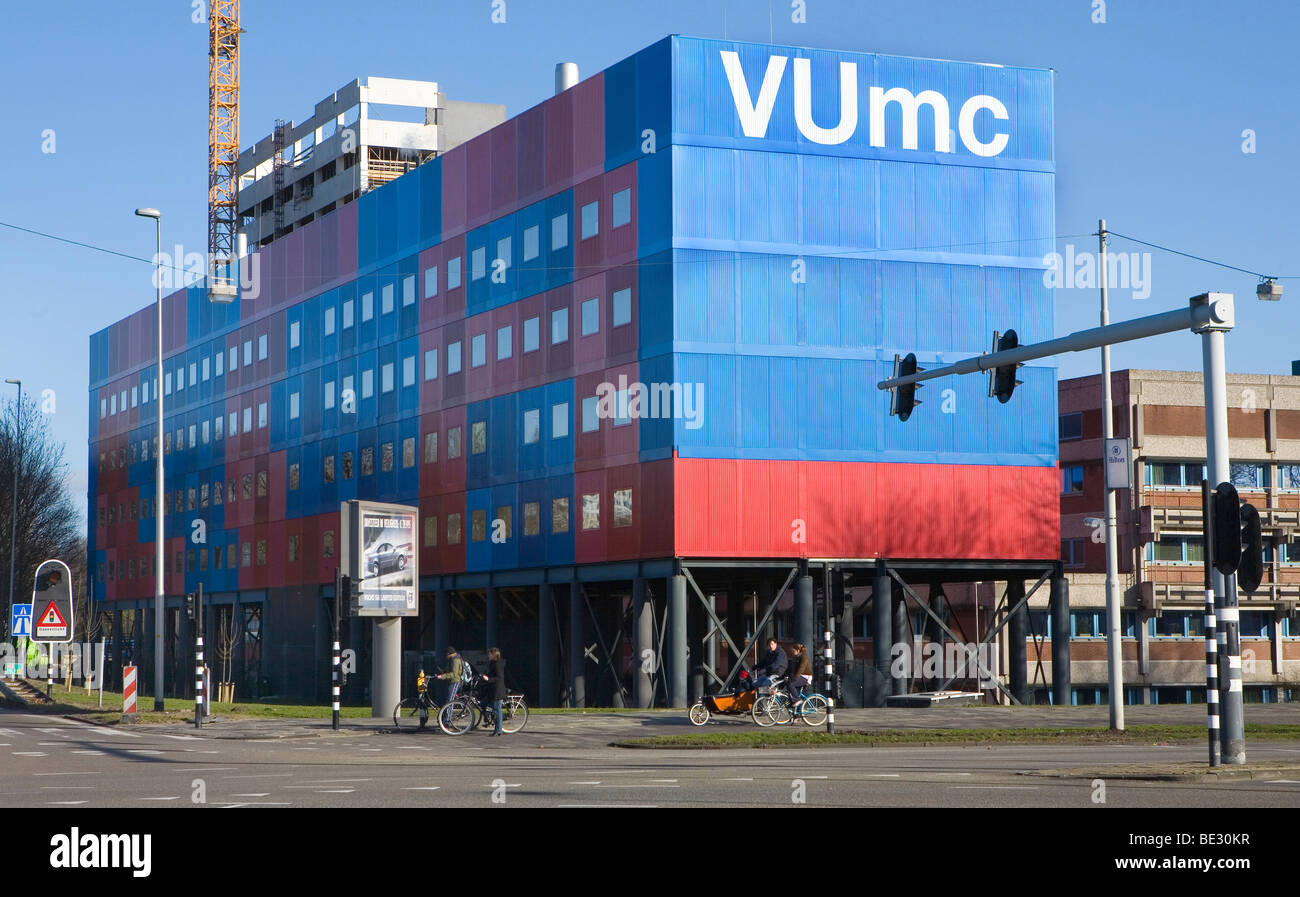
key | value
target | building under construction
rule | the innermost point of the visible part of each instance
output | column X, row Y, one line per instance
column 621, row 351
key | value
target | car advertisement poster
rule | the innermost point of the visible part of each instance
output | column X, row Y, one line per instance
column 386, row 560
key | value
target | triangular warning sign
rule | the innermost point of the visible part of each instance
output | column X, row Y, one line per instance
column 52, row 617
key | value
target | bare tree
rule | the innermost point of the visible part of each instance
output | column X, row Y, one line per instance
column 229, row 630
column 48, row 523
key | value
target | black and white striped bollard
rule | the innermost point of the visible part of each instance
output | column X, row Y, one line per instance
column 828, row 652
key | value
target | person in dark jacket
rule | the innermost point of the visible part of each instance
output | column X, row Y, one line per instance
column 800, row 673
column 495, row 679
column 772, row 665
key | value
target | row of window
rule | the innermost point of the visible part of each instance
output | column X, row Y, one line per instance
column 227, row 557
column 195, row 498
column 1169, row 694
column 1190, row 624
column 1170, row 549
column 199, row 371
column 1177, row 474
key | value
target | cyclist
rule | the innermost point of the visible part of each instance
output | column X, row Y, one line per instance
column 772, row 665
column 495, row 679
column 801, row 674
column 453, row 675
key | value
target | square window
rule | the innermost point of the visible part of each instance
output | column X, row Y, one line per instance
column 559, row 420
column 453, row 358
column 505, row 342
column 367, row 461
column 248, row 352
column 590, row 317
column 386, row 457
column 261, row 352
column 621, row 211
column 560, row 231
column 408, row 290
column 453, row 443
column 329, row 394
column 478, row 525
column 478, row 350
column 329, row 321
column 293, row 405
column 503, row 253
column 559, row 326
column 386, row 377
column 430, row 531
column 591, row 511
column 478, row 437
column 532, row 518
column 347, row 313
column 504, row 515
column 293, row 476
column 327, row 470
column 532, row 426
column 367, row 383
column 294, row 334
column 431, row 447
column 367, row 306
column 531, row 237
column 622, row 313
column 590, row 220
column 386, row 299
column 430, row 282
column 590, row 414
column 408, row 370
column 234, row 358
column 478, row 263
column 453, row 529
column 532, row 334
column 347, row 465
column 431, row 364
column 622, row 507
column 261, row 415
column 453, row 273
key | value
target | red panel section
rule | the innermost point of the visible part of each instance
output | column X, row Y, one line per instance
column 589, row 545
column 505, row 372
column 620, row 244
column 589, row 254
column 726, row 508
column 653, row 507
column 453, row 192
column 293, row 266
column 589, row 126
column 478, row 180
column 504, row 173
column 532, row 365
column 451, row 556
column 558, row 112
column 478, row 380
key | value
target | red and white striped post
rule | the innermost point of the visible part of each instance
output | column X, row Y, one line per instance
column 128, row 689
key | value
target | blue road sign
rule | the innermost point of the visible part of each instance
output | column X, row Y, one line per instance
column 21, row 621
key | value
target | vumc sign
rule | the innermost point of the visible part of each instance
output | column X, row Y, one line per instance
column 756, row 112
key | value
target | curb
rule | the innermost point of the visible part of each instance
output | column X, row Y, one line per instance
column 1215, row 775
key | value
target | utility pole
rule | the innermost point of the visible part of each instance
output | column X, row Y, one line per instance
column 1114, row 647
column 13, row 528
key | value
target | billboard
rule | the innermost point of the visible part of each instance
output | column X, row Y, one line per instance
column 380, row 554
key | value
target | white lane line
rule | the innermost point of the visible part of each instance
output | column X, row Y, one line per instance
column 1283, row 782
column 882, row 775
column 335, row 790
column 334, row 781
column 663, row 780
column 95, row 773
column 739, row 779
column 29, row 753
column 253, row 794
column 264, row 775
column 141, row 751
column 206, row 768
column 67, row 787
column 174, row 797
column 66, row 803
column 606, row 806
column 49, row 744
column 585, row 783
column 101, row 729
column 230, row 806
column 10, row 733
column 424, row 788
column 88, row 753
column 638, row 786
column 408, row 747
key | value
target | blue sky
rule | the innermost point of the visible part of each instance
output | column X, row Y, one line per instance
column 1151, row 106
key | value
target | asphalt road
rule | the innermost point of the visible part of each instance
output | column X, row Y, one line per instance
column 565, row 761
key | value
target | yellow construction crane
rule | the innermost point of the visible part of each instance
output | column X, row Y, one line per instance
column 223, row 147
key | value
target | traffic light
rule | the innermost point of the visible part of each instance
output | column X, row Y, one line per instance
column 1002, row 379
column 1227, row 529
column 905, row 396
column 189, row 606
column 1250, row 571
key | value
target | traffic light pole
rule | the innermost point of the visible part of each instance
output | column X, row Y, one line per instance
column 1114, row 645
column 1211, row 316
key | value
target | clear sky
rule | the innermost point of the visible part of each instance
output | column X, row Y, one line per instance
column 1151, row 106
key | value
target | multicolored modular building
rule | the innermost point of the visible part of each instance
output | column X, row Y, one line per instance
column 621, row 350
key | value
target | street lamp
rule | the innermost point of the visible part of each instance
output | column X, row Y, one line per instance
column 159, row 615
column 18, row 454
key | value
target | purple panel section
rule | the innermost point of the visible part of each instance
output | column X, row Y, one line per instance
column 504, row 185
column 346, row 267
column 558, row 112
column 453, row 192
column 478, row 180
column 531, row 161
column 589, row 127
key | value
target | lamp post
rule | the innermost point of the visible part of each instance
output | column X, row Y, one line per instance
column 159, row 615
column 1114, row 631
column 18, row 454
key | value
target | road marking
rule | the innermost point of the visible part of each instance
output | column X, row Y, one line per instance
column 29, row 753
column 584, row 783
column 407, row 747
column 663, row 780
column 142, row 751
column 230, row 806
column 335, row 790
column 253, row 794
column 261, row 775
column 66, row 773
column 740, row 779
column 66, row 803
column 1283, row 782
column 88, row 753
column 10, row 733
column 606, row 806
column 334, row 781
column 882, row 775
column 996, row 787
column 638, row 786
column 207, row 768
column 174, row 797
column 66, row 787
column 424, row 788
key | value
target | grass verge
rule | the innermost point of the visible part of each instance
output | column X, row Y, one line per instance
column 814, row 738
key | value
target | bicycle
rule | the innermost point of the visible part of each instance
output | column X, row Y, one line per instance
column 782, row 709
column 413, row 713
column 468, row 712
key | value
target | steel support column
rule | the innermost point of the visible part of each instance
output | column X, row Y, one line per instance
column 882, row 612
column 645, row 663
column 547, row 647
column 1060, row 600
column 677, row 642
column 1017, row 632
column 805, row 619
column 902, row 635
column 577, row 646
column 491, row 609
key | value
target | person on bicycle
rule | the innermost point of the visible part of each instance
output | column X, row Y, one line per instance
column 453, row 675
column 772, row 665
column 801, row 665
column 495, row 679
